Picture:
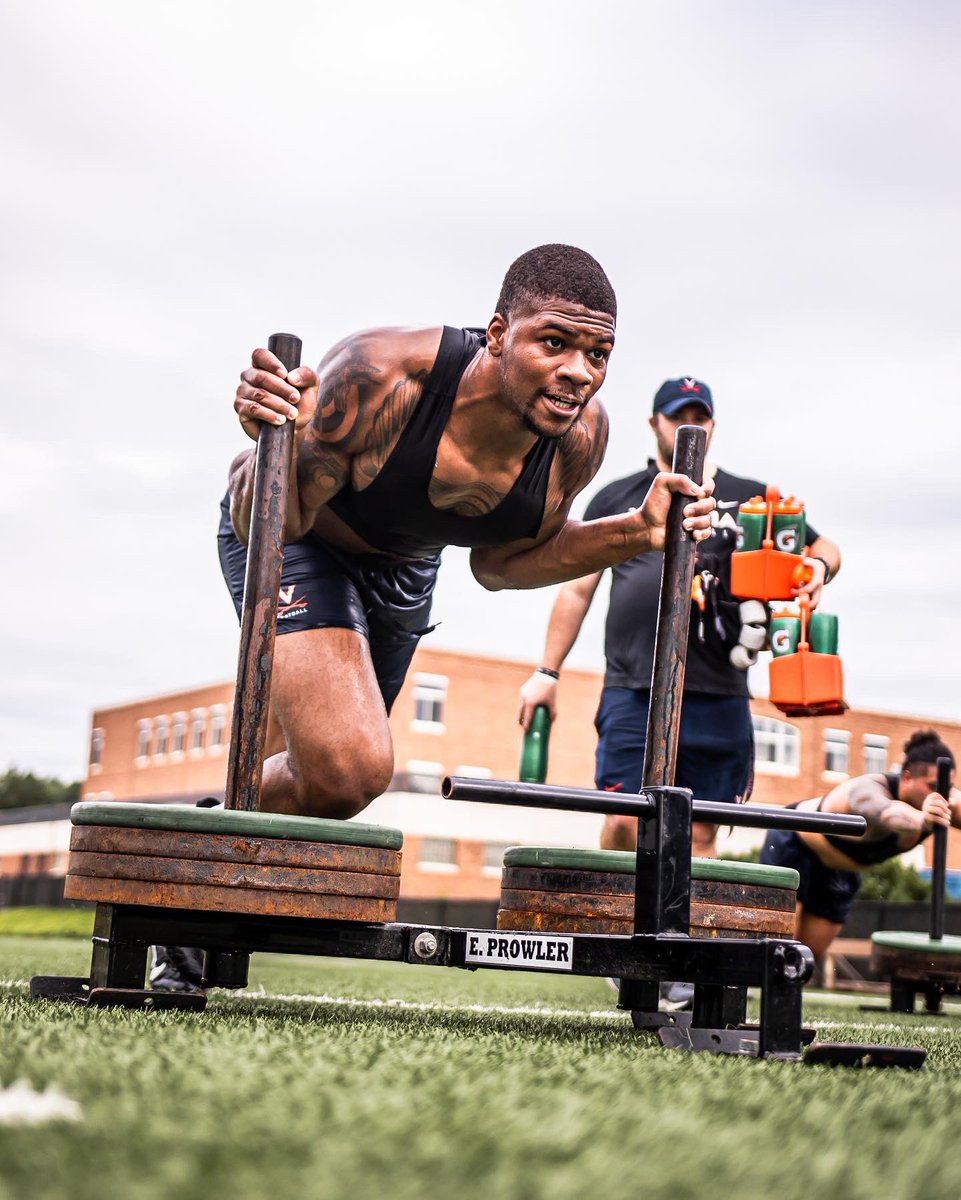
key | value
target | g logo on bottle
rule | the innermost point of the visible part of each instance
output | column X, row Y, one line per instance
column 786, row 540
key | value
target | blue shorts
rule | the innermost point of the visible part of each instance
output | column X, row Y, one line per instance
column 824, row 891
column 715, row 756
column 322, row 588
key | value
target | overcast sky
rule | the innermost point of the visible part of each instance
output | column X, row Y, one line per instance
column 772, row 187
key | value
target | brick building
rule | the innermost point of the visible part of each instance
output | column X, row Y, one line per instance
column 457, row 714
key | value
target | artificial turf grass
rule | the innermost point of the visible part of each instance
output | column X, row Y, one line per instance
column 28, row 921
column 315, row 1098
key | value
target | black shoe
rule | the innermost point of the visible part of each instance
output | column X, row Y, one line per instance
column 209, row 802
column 176, row 969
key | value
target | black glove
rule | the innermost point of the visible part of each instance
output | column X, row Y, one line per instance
column 731, row 631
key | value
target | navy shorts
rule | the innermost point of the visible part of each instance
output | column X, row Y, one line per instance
column 322, row 588
column 715, row 756
column 824, row 891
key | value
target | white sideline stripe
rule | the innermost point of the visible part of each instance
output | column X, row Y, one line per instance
column 419, row 1006
column 519, row 1010
column 412, row 1005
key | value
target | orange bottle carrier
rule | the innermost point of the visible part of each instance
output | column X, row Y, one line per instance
column 805, row 683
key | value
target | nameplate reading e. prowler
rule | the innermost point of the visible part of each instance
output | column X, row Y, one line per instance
column 546, row 951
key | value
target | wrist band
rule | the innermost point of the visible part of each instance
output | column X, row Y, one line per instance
column 827, row 569
column 547, row 671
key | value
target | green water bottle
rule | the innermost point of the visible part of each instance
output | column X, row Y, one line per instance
column 533, row 768
column 784, row 634
column 789, row 527
column 823, row 633
column 751, row 525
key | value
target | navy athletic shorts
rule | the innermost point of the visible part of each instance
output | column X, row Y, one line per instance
column 824, row 891
column 715, row 756
column 322, row 588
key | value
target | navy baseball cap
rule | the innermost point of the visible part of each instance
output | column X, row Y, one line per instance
column 674, row 394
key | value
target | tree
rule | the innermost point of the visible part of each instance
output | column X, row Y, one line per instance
column 19, row 789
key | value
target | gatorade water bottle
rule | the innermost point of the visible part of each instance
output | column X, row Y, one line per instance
column 533, row 768
column 751, row 524
column 789, row 526
column 785, row 634
column 823, row 633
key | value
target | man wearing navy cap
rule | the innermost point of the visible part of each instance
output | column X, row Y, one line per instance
column 716, row 746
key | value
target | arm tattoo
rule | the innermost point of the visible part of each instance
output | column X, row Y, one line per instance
column 870, row 806
column 582, row 453
column 389, row 421
column 322, row 460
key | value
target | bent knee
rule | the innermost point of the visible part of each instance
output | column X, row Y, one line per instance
column 342, row 788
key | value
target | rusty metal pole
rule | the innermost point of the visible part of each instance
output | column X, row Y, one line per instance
column 673, row 620
column 258, row 622
column 939, row 858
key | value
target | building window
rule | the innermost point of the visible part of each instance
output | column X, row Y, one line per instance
column 144, row 730
column 430, row 696
column 777, row 746
column 218, row 728
column 836, row 751
column 438, row 855
column 179, row 733
column 424, row 776
column 97, row 738
column 494, row 857
column 162, row 740
column 875, row 749
column 198, row 730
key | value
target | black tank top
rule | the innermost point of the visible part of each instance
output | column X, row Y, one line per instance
column 394, row 513
column 880, row 850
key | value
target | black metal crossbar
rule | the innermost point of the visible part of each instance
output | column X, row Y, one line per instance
column 542, row 795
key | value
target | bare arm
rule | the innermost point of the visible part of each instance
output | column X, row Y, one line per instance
column 567, row 616
column 821, row 551
column 870, row 798
column 350, row 410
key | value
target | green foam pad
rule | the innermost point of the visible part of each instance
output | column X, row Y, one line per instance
column 905, row 939
column 182, row 818
column 714, row 870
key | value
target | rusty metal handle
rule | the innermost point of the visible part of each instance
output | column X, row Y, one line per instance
column 258, row 621
column 939, row 857
column 673, row 619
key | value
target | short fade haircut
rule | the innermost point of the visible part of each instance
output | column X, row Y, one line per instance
column 556, row 272
column 925, row 747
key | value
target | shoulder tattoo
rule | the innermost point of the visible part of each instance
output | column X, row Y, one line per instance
column 582, row 452
column 389, row 420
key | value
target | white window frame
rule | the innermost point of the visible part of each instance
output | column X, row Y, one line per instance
column 429, row 689
column 875, row 742
column 198, row 723
column 179, row 729
column 217, row 740
column 144, row 727
column 162, row 737
column 498, row 848
column 832, row 742
column 98, row 739
column 437, row 866
column 781, row 737
column 425, row 770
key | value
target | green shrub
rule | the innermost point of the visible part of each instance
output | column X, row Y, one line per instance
column 893, row 882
